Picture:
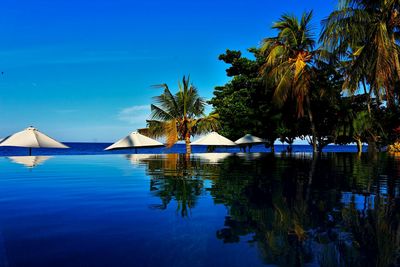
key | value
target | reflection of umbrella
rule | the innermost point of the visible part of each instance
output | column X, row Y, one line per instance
column 31, row 138
column 249, row 140
column 213, row 157
column 29, row 161
column 214, row 139
column 134, row 140
column 136, row 159
column 249, row 156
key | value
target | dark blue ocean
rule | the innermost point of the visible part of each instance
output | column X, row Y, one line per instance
column 98, row 149
column 210, row 209
column 86, row 207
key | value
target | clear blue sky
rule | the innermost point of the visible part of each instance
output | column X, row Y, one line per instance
column 83, row 70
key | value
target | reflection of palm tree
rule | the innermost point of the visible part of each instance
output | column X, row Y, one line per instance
column 291, row 212
column 183, row 191
column 376, row 232
column 259, row 205
column 178, row 178
column 292, row 207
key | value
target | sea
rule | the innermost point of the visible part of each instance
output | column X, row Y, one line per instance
column 84, row 207
column 98, row 149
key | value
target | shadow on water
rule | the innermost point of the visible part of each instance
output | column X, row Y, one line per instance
column 329, row 210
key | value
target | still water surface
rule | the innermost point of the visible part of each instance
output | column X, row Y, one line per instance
column 339, row 209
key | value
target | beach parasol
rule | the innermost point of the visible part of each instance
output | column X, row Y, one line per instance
column 249, row 140
column 214, row 139
column 134, row 140
column 31, row 138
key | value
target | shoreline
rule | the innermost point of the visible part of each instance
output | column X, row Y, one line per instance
column 98, row 149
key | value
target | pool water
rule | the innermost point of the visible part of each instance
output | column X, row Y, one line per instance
column 215, row 209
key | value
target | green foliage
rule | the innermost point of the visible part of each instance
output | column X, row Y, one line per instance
column 347, row 88
column 365, row 34
column 289, row 55
column 180, row 116
column 242, row 104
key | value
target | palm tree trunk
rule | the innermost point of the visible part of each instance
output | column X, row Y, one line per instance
column 187, row 142
column 396, row 63
column 270, row 144
column 368, row 97
column 359, row 145
column 372, row 148
column 313, row 131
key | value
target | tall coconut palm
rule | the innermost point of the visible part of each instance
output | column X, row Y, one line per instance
column 180, row 116
column 288, row 66
column 365, row 34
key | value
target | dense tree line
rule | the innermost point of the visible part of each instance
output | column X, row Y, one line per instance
column 339, row 88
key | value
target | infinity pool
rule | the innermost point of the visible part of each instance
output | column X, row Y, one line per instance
column 204, row 210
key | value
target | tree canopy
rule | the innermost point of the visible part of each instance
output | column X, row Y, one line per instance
column 339, row 87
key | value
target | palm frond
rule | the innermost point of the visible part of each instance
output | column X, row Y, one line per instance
column 177, row 116
column 155, row 128
column 158, row 113
column 206, row 124
column 171, row 133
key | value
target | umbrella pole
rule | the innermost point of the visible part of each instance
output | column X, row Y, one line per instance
column 30, row 151
column 135, row 150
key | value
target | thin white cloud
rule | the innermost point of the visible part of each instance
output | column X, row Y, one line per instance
column 135, row 115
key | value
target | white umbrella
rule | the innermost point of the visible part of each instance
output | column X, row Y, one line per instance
column 249, row 139
column 29, row 161
column 134, row 140
column 31, row 138
column 214, row 139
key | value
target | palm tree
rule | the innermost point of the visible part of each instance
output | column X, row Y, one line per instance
column 365, row 34
column 288, row 66
column 180, row 116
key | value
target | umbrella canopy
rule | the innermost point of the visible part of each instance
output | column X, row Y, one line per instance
column 32, row 138
column 249, row 139
column 29, row 161
column 134, row 140
column 214, row 139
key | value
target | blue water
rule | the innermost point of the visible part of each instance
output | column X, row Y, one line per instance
column 98, row 148
column 207, row 210
column 99, row 211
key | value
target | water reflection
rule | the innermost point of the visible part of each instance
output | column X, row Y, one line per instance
column 29, row 161
column 212, row 157
column 331, row 210
column 139, row 159
column 175, row 177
